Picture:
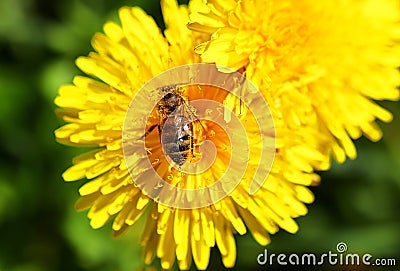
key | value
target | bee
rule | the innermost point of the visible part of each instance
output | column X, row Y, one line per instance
column 176, row 120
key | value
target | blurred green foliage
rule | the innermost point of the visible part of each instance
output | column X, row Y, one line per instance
column 357, row 203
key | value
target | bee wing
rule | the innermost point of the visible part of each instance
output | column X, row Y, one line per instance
column 190, row 114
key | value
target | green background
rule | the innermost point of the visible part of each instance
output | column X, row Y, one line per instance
column 357, row 203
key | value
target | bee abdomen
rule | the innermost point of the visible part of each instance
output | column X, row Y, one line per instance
column 178, row 151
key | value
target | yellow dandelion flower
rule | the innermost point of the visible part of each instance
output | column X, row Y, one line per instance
column 325, row 58
column 103, row 113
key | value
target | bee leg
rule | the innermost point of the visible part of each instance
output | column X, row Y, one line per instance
column 149, row 131
column 196, row 153
column 191, row 145
column 195, row 148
